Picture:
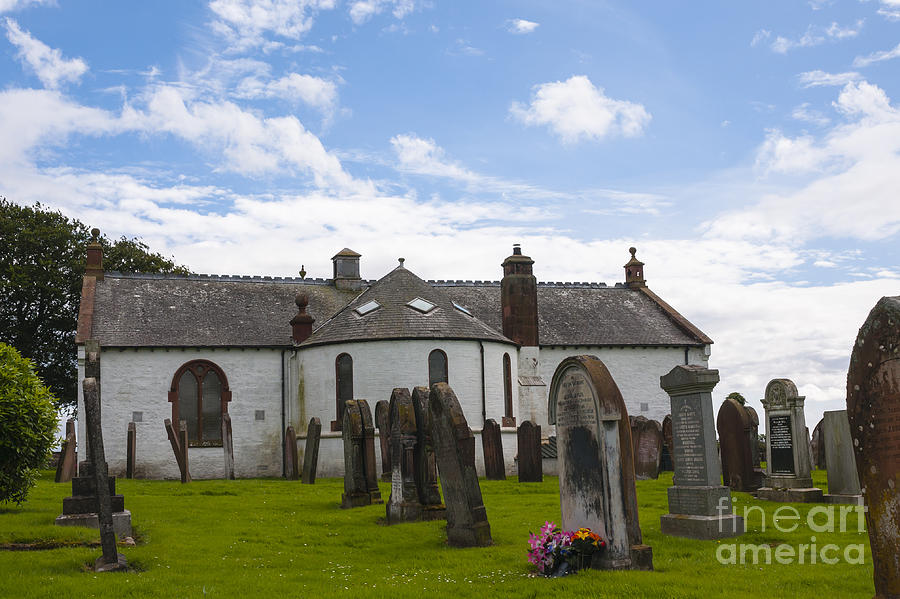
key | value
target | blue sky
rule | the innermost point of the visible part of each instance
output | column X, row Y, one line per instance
column 749, row 150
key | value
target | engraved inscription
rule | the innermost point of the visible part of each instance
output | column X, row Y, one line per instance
column 690, row 458
column 781, row 445
column 575, row 405
column 885, row 435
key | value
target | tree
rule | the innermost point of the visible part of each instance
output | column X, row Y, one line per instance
column 27, row 425
column 737, row 397
column 42, row 258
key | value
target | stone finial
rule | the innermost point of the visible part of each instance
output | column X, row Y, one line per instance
column 401, row 261
column 302, row 323
column 634, row 271
column 302, row 271
column 94, row 264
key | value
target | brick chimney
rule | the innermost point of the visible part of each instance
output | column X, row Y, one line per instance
column 302, row 323
column 634, row 271
column 94, row 265
column 518, row 299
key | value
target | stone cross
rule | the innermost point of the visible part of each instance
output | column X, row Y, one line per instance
column 426, row 464
column 531, row 466
column 228, row 446
column 67, row 466
column 454, row 445
column 699, row 505
column 311, row 453
column 179, row 451
column 130, row 448
column 843, row 480
column 291, row 465
column 736, row 428
column 788, row 465
column 403, row 505
column 596, row 466
column 873, row 408
column 492, row 446
column 382, row 421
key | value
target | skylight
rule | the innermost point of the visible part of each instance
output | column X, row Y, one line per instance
column 367, row 307
column 423, row 306
column 461, row 309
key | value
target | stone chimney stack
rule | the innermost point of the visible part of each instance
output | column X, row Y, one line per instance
column 346, row 269
column 518, row 299
column 634, row 271
column 94, row 266
column 302, row 323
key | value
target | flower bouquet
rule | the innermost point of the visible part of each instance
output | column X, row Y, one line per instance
column 556, row 552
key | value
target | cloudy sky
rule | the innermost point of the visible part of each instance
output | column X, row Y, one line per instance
column 749, row 150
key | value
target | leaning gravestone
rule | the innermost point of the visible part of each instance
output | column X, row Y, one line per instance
column 873, row 408
column 179, row 449
column 596, row 467
column 735, row 427
column 360, row 486
column 426, row 465
column 403, row 504
column 383, row 422
column 311, row 453
column 291, row 463
column 492, row 445
column 66, row 468
column 665, row 460
column 788, row 465
column 454, row 448
column 843, row 480
column 647, row 441
column 531, row 464
column 228, row 446
column 817, row 443
column 699, row 505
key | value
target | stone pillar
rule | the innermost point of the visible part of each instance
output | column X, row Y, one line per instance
column 699, row 505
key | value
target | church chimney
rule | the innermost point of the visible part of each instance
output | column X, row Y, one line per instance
column 302, row 323
column 94, row 265
column 346, row 269
column 518, row 299
column 634, row 271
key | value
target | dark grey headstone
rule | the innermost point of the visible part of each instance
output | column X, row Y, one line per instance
column 647, row 443
column 736, row 428
column 843, row 480
column 130, row 449
column 529, row 446
column 311, row 453
column 492, row 445
column 817, row 444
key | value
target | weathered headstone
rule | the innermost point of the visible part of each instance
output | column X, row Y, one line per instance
column 291, row 465
column 665, row 461
column 311, row 453
column 454, row 447
column 179, row 451
column 531, row 465
column 228, row 446
column 492, row 445
column 383, row 422
column 757, row 447
column 403, row 504
column 67, row 467
column 130, row 448
column 426, row 464
column 183, row 443
column 360, row 484
column 843, row 480
column 596, row 466
column 788, row 465
column 873, row 408
column 817, row 443
column 647, row 441
column 735, row 427
column 699, row 505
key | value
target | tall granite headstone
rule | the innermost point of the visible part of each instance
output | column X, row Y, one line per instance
column 403, row 504
column 788, row 465
column 596, row 466
column 873, row 408
column 647, row 441
column 492, row 445
column 531, row 464
column 383, row 422
column 699, row 505
column 291, row 461
column 843, row 480
column 817, row 443
column 360, row 484
column 735, row 426
column 426, row 464
column 311, row 453
column 665, row 461
column 454, row 448
column 67, row 467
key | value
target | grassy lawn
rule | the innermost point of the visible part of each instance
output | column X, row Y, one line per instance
column 266, row 536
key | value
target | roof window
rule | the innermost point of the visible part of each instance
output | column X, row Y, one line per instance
column 423, row 306
column 367, row 307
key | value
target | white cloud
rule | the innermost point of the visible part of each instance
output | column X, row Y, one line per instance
column 314, row 91
column 820, row 78
column 805, row 113
column 759, row 36
column 363, row 10
column 576, row 109
column 814, row 36
column 463, row 47
column 12, row 5
column 521, row 26
column 864, row 61
column 246, row 22
column 46, row 62
column 890, row 9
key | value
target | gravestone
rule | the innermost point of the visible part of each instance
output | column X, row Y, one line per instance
column 531, row 465
column 647, row 441
column 291, row 463
column 179, row 451
column 788, row 465
column 596, row 466
column 699, row 505
column 360, row 484
column 382, row 421
column 228, row 446
column 492, row 445
column 736, row 428
column 130, row 448
column 843, row 480
column 757, row 447
column 665, row 460
column 426, row 464
column 403, row 504
column 311, row 453
column 454, row 448
column 817, row 445
column 67, row 468
column 873, row 409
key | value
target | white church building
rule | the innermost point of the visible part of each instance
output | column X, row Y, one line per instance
column 274, row 352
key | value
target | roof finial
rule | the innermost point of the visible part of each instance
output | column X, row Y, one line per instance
column 401, row 261
column 633, row 251
column 302, row 271
column 95, row 233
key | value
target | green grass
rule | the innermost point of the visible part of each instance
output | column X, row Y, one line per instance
column 252, row 538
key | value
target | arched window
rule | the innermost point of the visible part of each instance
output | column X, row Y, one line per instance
column 507, row 387
column 437, row 367
column 199, row 395
column 343, row 386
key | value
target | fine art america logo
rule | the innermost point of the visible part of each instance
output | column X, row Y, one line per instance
column 787, row 519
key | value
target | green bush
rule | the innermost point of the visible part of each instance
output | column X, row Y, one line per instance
column 27, row 425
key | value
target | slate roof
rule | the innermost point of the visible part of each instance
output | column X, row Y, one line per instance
column 394, row 319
